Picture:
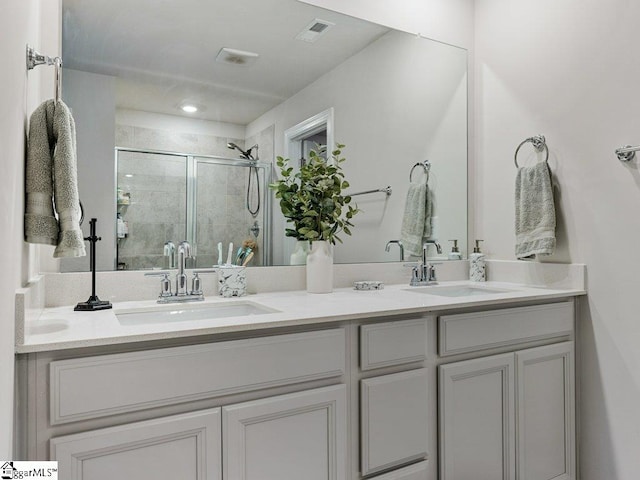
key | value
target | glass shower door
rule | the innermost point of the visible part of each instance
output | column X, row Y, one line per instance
column 229, row 207
column 151, row 207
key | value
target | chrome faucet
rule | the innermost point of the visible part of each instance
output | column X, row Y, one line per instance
column 182, row 294
column 170, row 251
column 399, row 243
column 425, row 246
column 184, row 252
column 425, row 272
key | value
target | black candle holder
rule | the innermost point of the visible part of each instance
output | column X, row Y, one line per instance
column 93, row 303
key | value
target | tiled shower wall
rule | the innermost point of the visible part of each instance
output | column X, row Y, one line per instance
column 157, row 185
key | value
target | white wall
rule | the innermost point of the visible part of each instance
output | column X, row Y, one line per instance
column 570, row 70
column 19, row 94
column 399, row 101
column 178, row 124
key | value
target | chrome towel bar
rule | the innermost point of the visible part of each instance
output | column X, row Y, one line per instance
column 386, row 190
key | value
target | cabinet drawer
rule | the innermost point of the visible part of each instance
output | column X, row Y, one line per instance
column 496, row 328
column 393, row 417
column 98, row 386
column 392, row 343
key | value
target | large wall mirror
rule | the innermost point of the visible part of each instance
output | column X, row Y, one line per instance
column 182, row 107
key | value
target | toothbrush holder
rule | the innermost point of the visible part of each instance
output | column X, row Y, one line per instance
column 232, row 281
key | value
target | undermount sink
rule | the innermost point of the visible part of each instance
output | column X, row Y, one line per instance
column 457, row 290
column 183, row 313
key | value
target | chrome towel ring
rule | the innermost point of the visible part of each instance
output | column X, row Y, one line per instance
column 539, row 143
column 34, row 59
column 426, row 165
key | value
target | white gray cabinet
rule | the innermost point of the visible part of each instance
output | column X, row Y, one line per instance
column 546, row 413
column 477, row 412
column 394, row 412
column 289, row 437
column 357, row 399
column 492, row 407
column 181, row 446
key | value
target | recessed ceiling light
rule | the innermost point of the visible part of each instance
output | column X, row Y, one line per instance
column 128, row 175
column 188, row 108
column 236, row 57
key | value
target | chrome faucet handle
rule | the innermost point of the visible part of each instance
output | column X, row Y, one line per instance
column 156, row 274
column 165, row 283
column 431, row 273
column 165, row 286
column 196, row 286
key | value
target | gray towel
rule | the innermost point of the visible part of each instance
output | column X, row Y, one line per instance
column 535, row 212
column 416, row 223
column 52, row 177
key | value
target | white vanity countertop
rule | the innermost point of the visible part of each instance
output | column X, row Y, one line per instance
column 61, row 328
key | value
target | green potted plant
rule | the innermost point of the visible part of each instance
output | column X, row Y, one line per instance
column 312, row 200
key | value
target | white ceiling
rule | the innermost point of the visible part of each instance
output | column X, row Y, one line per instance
column 163, row 51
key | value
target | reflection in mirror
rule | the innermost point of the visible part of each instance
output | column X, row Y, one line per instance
column 131, row 66
column 164, row 197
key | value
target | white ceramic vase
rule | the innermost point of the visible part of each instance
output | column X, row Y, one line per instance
column 320, row 268
column 300, row 252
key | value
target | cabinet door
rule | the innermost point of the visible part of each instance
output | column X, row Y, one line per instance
column 546, row 412
column 394, row 412
column 181, row 446
column 477, row 434
column 289, row 437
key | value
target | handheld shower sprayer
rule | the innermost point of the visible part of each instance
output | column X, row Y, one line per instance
column 246, row 154
column 252, row 169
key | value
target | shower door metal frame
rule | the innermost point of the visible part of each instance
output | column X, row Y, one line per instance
column 191, row 177
column 192, row 195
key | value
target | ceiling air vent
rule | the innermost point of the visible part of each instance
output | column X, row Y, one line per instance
column 314, row 30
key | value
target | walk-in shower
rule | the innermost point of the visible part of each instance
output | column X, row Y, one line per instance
column 203, row 199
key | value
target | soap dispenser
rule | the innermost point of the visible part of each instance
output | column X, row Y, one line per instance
column 455, row 254
column 477, row 267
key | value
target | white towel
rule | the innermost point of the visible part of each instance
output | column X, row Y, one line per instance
column 416, row 223
column 535, row 212
column 52, row 177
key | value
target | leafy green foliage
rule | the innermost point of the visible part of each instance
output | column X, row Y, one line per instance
column 312, row 199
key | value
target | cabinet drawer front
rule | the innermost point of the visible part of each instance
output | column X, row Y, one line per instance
column 496, row 328
column 394, row 411
column 392, row 343
column 188, row 444
column 90, row 387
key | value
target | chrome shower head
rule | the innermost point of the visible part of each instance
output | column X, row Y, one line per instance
column 245, row 154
